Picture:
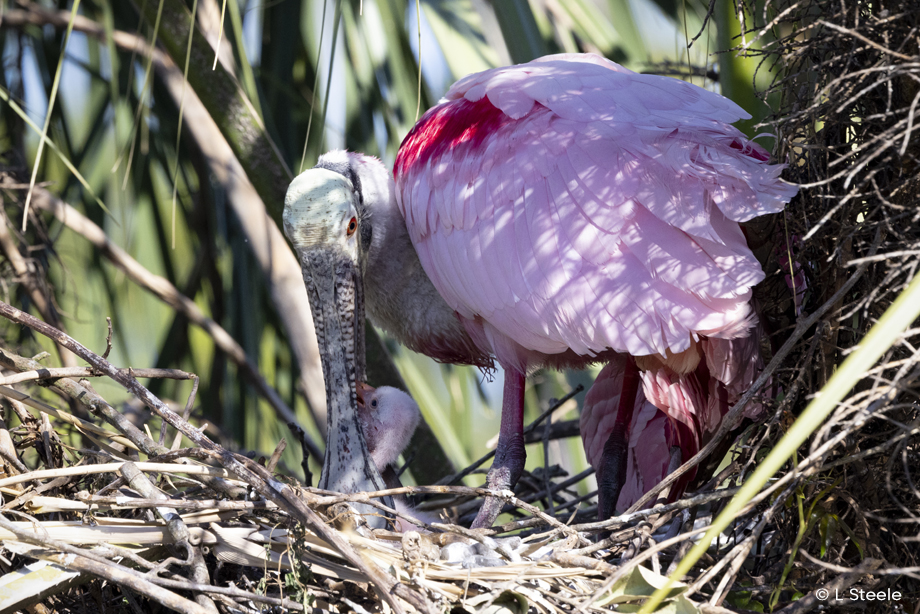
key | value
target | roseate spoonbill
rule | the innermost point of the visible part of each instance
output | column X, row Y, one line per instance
column 332, row 262
column 388, row 419
column 555, row 213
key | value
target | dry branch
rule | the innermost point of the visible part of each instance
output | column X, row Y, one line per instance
column 281, row 494
column 170, row 295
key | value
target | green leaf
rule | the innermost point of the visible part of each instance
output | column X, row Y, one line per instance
column 638, row 583
column 459, row 30
column 508, row 602
column 519, row 27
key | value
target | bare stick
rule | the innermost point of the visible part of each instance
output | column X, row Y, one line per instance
column 108, row 338
column 86, row 562
column 169, row 294
column 81, row 372
column 94, row 503
column 142, row 484
column 453, row 479
column 177, row 442
column 276, row 455
column 270, row 488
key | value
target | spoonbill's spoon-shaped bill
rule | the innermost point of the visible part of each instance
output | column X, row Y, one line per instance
column 321, row 220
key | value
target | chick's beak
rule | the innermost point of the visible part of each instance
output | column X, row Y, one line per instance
column 363, row 390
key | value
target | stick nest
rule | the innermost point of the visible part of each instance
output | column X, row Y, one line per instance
column 200, row 528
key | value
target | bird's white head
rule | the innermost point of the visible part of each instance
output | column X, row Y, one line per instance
column 321, row 212
column 347, row 204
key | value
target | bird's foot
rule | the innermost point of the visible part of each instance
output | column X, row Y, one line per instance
column 506, row 469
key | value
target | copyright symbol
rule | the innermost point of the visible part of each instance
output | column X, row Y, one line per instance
column 822, row 594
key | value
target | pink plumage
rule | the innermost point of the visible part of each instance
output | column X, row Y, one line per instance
column 677, row 408
column 569, row 210
column 556, row 213
column 388, row 418
column 652, row 433
column 570, row 204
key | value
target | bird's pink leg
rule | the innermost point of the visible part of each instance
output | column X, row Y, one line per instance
column 611, row 474
column 509, row 453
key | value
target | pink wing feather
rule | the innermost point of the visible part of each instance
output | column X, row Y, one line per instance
column 652, row 433
column 570, row 203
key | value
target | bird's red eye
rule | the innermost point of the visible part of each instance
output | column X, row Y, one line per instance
column 352, row 227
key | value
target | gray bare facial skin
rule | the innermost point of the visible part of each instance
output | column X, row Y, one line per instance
column 322, row 221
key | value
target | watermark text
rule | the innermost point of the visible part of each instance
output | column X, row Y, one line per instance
column 858, row 594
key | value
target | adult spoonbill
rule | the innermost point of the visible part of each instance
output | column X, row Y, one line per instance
column 555, row 213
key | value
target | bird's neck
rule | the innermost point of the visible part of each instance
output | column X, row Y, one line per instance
column 401, row 299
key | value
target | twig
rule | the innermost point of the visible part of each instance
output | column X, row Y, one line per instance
column 453, row 479
column 169, row 294
column 94, row 403
column 86, row 562
column 47, row 432
column 508, row 496
column 142, row 484
column 868, row 41
column 249, row 472
column 81, row 372
column 276, row 455
column 43, row 408
column 108, row 338
column 198, row 574
column 185, row 415
column 8, row 456
column 94, row 503
column 84, row 470
column 629, row 517
column 840, row 583
column 555, row 430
